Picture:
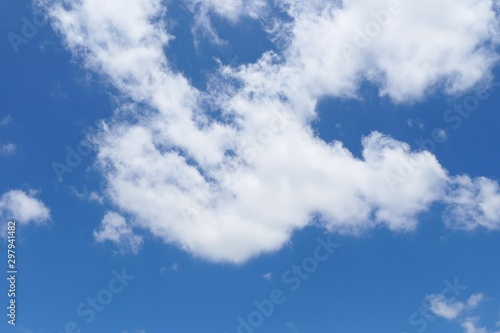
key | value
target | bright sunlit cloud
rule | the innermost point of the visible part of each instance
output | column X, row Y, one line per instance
column 232, row 187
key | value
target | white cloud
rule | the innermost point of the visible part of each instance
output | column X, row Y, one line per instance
column 89, row 196
column 94, row 196
column 5, row 120
column 409, row 51
column 114, row 228
column 473, row 203
column 231, row 10
column 470, row 326
column 267, row 276
column 445, row 308
column 450, row 308
column 415, row 123
column 23, row 207
column 232, row 188
column 457, row 311
column 7, row 149
column 174, row 267
column 474, row 300
column 441, row 135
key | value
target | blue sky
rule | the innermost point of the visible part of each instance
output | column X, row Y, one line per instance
column 185, row 164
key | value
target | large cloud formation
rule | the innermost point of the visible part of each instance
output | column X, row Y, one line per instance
column 231, row 187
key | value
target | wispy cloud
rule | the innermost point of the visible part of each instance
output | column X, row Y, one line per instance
column 473, row 203
column 416, row 123
column 7, row 149
column 292, row 328
column 5, row 120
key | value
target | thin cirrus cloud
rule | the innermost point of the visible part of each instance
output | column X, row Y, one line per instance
column 230, row 188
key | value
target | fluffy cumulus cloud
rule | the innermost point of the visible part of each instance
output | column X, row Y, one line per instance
column 23, row 207
column 235, row 186
column 405, row 47
column 114, row 228
column 459, row 312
